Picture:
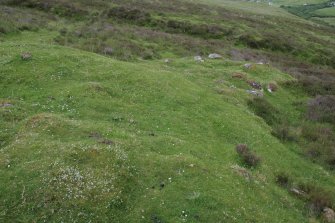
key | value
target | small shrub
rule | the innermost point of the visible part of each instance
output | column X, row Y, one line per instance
column 2, row 30
column 317, row 198
column 267, row 41
column 283, row 179
column 314, row 82
column 322, row 108
column 130, row 14
column 249, row 158
column 321, row 141
column 63, row 31
column 242, row 149
column 284, row 133
column 317, row 133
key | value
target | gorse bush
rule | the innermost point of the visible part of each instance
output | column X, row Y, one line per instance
column 249, row 158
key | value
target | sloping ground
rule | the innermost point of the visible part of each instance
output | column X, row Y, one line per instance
column 86, row 138
column 322, row 12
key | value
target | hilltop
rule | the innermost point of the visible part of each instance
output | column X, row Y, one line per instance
column 113, row 111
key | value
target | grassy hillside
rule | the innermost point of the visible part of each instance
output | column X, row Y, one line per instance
column 90, row 138
column 106, row 117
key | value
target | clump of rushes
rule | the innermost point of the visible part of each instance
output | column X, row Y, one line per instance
column 249, row 158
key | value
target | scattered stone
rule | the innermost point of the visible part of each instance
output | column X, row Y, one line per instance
column 328, row 215
column 198, row 59
column 238, row 75
column 167, row 61
column 272, row 87
column 256, row 93
column 108, row 51
column 248, row 65
column 297, row 192
column 262, row 62
column 255, row 85
column 214, row 56
column 4, row 105
column 26, row 56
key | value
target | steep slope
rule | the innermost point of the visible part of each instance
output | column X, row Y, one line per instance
column 86, row 138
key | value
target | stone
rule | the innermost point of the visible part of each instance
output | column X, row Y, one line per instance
column 5, row 105
column 214, row 56
column 297, row 192
column 26, row 56
column 272, row 87
column 248, row 65
column 256, row 93
column 255, row 85
column 328, row 215
column 198, row 59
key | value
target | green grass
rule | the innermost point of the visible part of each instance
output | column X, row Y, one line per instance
column 90, row 136
column 175, row 123
column 320, row 12
column 326, row 12
column 329, row 21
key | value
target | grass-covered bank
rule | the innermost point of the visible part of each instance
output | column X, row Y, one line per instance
column 106, row 115
column 86, row 138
